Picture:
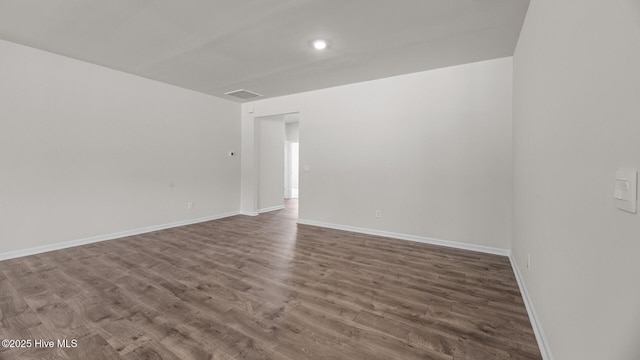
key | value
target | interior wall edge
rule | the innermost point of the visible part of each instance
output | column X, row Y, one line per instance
column 545, row 350
column 113, row 236
column 407, row 237
column 272, row 208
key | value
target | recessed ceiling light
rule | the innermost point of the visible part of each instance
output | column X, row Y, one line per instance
column 320, row 44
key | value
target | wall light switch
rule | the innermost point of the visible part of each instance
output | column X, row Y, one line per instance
column 625, row 191
column 622, row 190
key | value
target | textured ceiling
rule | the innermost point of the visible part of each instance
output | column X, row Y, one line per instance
column 216, row 46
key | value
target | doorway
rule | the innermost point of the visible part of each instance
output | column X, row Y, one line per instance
column 277, row 155
column 292, row 156
column 291, row 175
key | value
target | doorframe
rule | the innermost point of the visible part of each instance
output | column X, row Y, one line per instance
column 255, row 166
column 288, row 167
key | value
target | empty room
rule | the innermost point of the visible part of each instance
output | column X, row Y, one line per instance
column 307, row 179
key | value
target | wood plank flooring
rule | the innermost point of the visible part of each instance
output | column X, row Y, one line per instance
column 264, row 288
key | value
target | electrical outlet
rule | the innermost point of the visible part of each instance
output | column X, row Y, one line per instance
column 190, row 205
column 378, row 213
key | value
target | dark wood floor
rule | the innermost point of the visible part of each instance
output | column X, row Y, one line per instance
column 264, row 288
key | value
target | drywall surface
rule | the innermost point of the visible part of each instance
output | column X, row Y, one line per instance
column 431, row 151
column 292, row 131
column 576, row 121
column 87, row 151
column 270, row 148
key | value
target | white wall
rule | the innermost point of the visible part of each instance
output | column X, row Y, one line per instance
column 576, row 120
column 432, row 150
column 87, row 151
column 270, row 137
column 292, row 131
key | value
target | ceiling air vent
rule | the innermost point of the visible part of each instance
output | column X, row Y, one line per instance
column 243, row 94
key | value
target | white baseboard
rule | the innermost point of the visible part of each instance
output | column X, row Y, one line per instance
column 537, row 328
column 421, row 239
column 545, row 350
column 533, row 318
column 67, row 244
column 273, row 208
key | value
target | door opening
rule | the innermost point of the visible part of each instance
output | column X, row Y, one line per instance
column 277, row 162
column 292, row 142
column 291, row 182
